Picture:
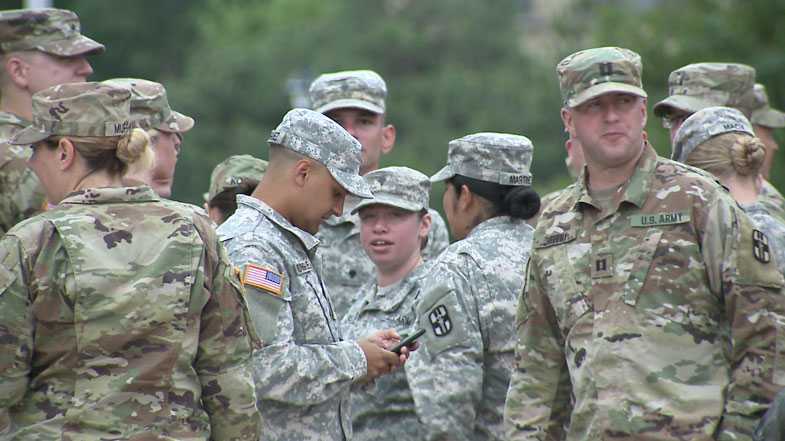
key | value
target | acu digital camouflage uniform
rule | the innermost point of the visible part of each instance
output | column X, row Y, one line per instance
column 460, row 374
column 51, row 31
column 346, row 266
column 650, row 320
column 305, row 372
column 704, row 125
column 120, row 315
column 386, row 410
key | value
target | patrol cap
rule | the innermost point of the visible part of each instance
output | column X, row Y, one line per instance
column 233, row 172
column 362, row 89
column 706, row 124
column 52, row 31
column 78, row 109
column 150, row 105
column 400, row 187
column 322, row 139
column 762, row 113
column 700, row 85
column 593, row 72
column 492, row 157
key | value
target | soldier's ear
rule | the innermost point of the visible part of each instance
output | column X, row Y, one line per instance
column 66, row 153
column 17, row 68
column 302, row 171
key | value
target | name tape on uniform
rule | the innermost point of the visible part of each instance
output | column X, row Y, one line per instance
column 655, row 219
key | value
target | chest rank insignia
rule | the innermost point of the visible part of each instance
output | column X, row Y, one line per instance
column 263, row 278
column 440, row 321
column 760, row 247
column 602, row 266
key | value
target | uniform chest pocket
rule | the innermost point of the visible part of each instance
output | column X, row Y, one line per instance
column 565, row 284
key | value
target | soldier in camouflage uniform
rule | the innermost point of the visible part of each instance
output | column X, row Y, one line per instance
column 120, row 315
column 764, row 121
column 460, row 374
column 721, row 141
column 305, row 373
column 39, row 48
column 393, row 228
column 237, row 174
column 651, row 310
column 356, row 101
column 165, row 128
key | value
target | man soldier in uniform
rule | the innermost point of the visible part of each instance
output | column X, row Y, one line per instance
column 651, row 306
column 39, row 48
column 356, row 101
column 764, row 121
column 305, row 372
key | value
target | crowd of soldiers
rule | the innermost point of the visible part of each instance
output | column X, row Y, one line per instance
column 644, row 301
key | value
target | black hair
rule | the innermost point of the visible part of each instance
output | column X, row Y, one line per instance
column 516, row 201
column 226, row 201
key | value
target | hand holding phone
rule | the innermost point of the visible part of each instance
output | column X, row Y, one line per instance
column 408, row 341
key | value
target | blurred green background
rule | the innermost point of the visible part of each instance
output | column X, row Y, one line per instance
column 452, row 67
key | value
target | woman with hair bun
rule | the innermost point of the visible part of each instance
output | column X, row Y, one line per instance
column 120, row 317
column 721, row 141
column 459, row 377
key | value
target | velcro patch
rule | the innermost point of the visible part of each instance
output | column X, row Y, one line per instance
column 303, row 267
column 440, row 321
column 760, row 247
column 263, row 278
column 555, row 239
column 655, row 219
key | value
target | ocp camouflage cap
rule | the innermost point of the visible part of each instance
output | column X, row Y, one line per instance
column 500, row 158
column 52, row 31
column 762, row 113
column 400, row 187
column 593, row 72
column 700, row 85
column 78, row 109
column 322, row 139
column 362, row 89
column 706, row 124
column 150, row 106
column 235, row 171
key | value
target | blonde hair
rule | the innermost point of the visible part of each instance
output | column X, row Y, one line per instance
column 115, row 154
column 729, row 153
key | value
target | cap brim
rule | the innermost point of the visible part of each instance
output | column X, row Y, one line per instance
column 603, row 88
column 769, row 118
column 442, row 175
column 28, row 135
column 352, row 183
column 350, row 103
column 389, row 201
column 80, row 45
column 178, row 123
column 682, row 103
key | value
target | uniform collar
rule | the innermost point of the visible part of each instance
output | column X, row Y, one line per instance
column 109, row 195
column 309, row 241
column 10, row 118
column 490, row 224
column 394, row 295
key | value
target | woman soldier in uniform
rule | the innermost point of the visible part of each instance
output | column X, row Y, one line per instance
column 459, row 377
column 721, row 141
column 120, row 317
column 394, row 228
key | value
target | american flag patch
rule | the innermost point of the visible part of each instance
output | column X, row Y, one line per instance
column 263, row 278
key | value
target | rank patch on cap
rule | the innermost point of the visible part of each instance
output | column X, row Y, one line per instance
column 760, row 247
column 440, row 321
column 263, row 278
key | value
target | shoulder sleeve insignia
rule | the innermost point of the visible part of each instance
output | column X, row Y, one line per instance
column 760, row 247
column 263, row 278
column 440, row 321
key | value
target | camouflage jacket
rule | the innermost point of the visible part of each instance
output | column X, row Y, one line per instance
column 459, row 376
column 21, row 194
column 772, row 425
column 347, row 267
column 772, row 200
column 773, row 228
column 121, row 318
column 386, row 410
column 659, row 318
column 305, row 372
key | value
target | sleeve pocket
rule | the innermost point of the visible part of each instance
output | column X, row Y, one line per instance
column 265, row 308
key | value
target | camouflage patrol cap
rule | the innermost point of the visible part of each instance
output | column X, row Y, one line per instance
column 233, row 172
column 492, row 157
column 150, row 105
column 362, row 89
column 78, row 109
column 706, row 124
column 52, row 31
column 400, row 187
column 593, row 72
column 762, row 113
column 322, row 139
column 700, row 85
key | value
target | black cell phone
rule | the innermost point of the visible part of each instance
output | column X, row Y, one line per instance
column 407, row 341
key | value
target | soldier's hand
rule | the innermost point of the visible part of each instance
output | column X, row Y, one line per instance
column 380, row 361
